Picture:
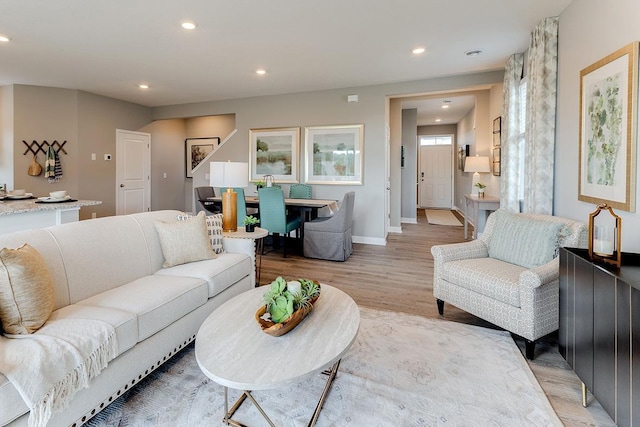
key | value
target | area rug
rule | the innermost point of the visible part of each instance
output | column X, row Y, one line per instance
column 442, row 217
column 403, row 370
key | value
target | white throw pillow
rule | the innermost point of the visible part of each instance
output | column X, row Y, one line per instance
column 184, row 241
column 26, row 290
column 214, row 229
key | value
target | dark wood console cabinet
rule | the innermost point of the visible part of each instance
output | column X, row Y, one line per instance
column 599, row 332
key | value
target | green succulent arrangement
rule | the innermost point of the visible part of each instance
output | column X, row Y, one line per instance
column 284, row 298
column 250, row 220
column 479, row 185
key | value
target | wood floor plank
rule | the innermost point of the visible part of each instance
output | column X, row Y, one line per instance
column 399, row 277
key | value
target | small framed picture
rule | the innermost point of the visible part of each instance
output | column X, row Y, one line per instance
column 497, row 124
column 496, row 139
column 196, row 151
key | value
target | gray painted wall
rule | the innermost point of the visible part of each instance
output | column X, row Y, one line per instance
column 580, row 46
column 330, row 108
column 410, row 170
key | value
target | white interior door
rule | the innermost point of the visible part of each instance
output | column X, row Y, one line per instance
column 436, row 176
column 133, row 172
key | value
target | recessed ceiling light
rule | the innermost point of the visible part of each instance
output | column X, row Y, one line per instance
column 474, row 52
column 445, row 106
column 445, row 103
column 438, row 120
column 188, row 25
column 418, row 50
column 143, row 86
column 261, row 71
column 4, row 38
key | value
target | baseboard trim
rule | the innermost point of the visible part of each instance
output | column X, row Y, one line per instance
column 409, row 220
column 395, row 230
column 369, row 240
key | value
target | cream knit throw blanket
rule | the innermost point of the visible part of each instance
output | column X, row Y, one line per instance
column 50, row 366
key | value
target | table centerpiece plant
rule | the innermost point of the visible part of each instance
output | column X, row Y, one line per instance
column 481, row 188
column 287, row 304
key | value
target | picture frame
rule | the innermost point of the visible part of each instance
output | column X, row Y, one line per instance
column 497, row 124
column 496, row 139
column 463, row 153
column 334, row 154
column 274, row 151
column 196, row 150
column 495, row 169
column 608, row 128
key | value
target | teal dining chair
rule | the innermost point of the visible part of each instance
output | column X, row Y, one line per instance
column 241, row 206
column 300, row 191
column 273, row 215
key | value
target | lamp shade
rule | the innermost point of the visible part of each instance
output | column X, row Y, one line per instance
column 229, row 174
column 477, row 164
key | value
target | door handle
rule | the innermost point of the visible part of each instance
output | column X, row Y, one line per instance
column 121, row 185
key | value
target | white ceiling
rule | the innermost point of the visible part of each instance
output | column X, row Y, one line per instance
column 109, row 47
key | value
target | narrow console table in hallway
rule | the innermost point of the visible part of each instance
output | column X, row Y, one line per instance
column 478, row 208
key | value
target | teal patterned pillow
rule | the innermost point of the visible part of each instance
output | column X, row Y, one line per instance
column 524, row 241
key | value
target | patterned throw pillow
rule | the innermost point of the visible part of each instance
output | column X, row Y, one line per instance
column 214, row 229
column 184, row 241
column 26, row 290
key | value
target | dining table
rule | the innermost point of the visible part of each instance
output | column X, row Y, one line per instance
column 308, row 208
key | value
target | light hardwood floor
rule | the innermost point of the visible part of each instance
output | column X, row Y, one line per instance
column 399, row 277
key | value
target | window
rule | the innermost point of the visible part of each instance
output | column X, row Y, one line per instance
column 436, row 140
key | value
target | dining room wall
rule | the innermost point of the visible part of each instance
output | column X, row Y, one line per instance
column 330, row 107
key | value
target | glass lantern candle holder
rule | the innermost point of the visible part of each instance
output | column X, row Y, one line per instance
column 604, row 236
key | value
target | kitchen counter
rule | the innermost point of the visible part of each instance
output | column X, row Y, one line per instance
column 16, row 215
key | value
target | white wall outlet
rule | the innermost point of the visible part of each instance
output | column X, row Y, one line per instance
column 93, row 156
column 207, row 176
column 164, row 175
column 107, row 156
column 93, row 214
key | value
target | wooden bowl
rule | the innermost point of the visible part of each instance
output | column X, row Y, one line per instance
column 287, row 325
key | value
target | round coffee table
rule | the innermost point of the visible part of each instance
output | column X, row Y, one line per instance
column 232, row 350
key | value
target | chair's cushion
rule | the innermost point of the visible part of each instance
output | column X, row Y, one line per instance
column 157, row 301
column 214, row 230
column 493, row 278
column 125, row 323
column 184, row 241
column 26, row 290
column 524, row 241
column 219, row 273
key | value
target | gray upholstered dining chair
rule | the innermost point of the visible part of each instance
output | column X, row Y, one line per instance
column 330, row 238
column 202, row 193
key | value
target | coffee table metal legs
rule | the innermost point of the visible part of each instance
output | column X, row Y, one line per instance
column 246, row 393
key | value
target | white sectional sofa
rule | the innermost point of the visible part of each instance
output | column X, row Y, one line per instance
column 110, row 269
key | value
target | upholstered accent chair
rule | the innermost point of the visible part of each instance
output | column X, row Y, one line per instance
column 509, row 276
column 202, row 193
column 273, row 214
column 330, row 238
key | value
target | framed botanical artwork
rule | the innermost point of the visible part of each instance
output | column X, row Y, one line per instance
column 274, row 151
column 495, row 169
column 608, row 123
column 196, row 150
column 497, row 124
column 334, row 154
column 496, row 139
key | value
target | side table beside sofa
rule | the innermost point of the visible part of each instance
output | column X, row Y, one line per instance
column 111, row 270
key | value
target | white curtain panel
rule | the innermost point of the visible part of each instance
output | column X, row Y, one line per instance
column 510, row 139
column 542, row 70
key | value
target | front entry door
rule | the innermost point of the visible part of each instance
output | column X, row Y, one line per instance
column 133, row 170
column 436, row 176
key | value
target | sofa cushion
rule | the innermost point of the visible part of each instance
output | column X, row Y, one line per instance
column 524, row 241
column 214, row 230
column 156, row 300
column 125, row 323
column 184, row 241
column 487, row 276
column 26, row 290
column 219, row 273
column 12, row 405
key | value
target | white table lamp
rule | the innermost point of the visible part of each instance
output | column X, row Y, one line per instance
column 227, row 175
column 477, row 165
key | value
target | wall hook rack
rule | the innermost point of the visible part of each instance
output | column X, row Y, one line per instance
column 35, row 147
